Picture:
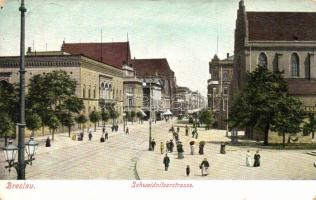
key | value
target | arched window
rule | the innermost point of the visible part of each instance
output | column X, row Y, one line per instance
column 295, row 66
column 89, row 93
column 225, row 76
column 84, row 92
column 262, row 60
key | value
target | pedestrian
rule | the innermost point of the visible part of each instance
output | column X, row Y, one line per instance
column 127, row 131
column 204, row 167
column 222, row 150
column 257, row 159
column 178, row 129
column 153, row 144
column 103, row 129
column 177, row 137
column 171, row 146
column 248, row 159
column 166, row 161
column 192, row 147
column 193, row 133
column 106, row 135
column 47, row 142
column 196, row 135
column 90, row 136
column 162, row 148
column 167, row 146
column 81, row 136
column 187, row 170
column 112, row 128
column 186, row 130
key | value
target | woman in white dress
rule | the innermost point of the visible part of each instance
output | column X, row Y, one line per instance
column 248, row 159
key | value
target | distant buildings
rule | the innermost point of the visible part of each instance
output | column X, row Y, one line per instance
column 218, row 90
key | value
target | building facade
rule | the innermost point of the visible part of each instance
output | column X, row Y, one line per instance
column 160, row 71
column 282, row 41
column 183, row 100
column 218, row 90
column 95, row 81
column 152, row 101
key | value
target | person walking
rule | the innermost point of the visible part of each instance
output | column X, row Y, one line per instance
column 90, row 136
column 193, row 133
column 166, row 161
column 196, row 135
column 186, row 130
column 178, row 129
column 106, row 135
column 257, row 159
column 248, row 159
column 127, row 131
column 103, row 129
column 171, row 146
column 204, row 167
column 153, row 144
column 167, row 146
column 162, row 148
column 187, row 170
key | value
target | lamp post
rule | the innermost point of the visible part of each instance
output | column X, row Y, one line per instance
column 150, row 93
column 21, row 134
column 10, row 152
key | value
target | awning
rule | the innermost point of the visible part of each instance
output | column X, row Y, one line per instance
column 194, row 111
column 168, row 112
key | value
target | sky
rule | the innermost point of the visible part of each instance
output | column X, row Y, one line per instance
column 183, row 31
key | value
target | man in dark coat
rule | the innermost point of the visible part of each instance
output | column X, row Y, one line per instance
column 153, row 144
column 106, row 136
column 127, row 131
column 186, row 130
column 166, row 161
column 171, row 146
column 257, row 159
column 47, row 142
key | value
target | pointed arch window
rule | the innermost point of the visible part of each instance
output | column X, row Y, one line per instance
column 262, row 60
column 295, row 67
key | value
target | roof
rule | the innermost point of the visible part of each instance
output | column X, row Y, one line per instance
column 152, row 67
column 281, row 26
column 114, row 53
column 301, row 87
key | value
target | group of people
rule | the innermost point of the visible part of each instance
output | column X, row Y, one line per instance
column 204, row 166
column 114, row 128
column 256, row 159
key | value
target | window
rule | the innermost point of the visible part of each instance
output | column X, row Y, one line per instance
column 225, row 76
column 94, row 95
column 89, row 93
column 262, row 60
column 130, row 102
column 225, row 91
column 84, row 92
column 308, row 67
column 294, row 65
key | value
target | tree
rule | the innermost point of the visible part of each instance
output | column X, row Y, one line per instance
column 133, row 115
column 289, row 117
column 261, row 101
column 33, row 122
column 67, row 119
column 104, row 116
column 9, row 108
column 95, row 117
column 81, row 120
column 206, row 117
column 54, row 93
column 114, row 115
column 6, row 126
column 127, row 115
column 53, row 124
column 310, row 126
column 139, row 116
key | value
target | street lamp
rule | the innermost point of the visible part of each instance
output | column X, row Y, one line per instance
column 11, row 150
column 150, row 90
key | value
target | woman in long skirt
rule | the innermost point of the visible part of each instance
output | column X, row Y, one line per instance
column 248, row 159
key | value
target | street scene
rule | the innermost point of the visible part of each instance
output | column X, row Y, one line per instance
column 158, row 90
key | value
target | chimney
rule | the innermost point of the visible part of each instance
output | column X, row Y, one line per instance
column 227, row 55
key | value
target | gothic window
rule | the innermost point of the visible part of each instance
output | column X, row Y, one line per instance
column 295, row 65
column 262, row 60
column 84, row 92
column 130, row 102
column 94, row 94
column 89, row 93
